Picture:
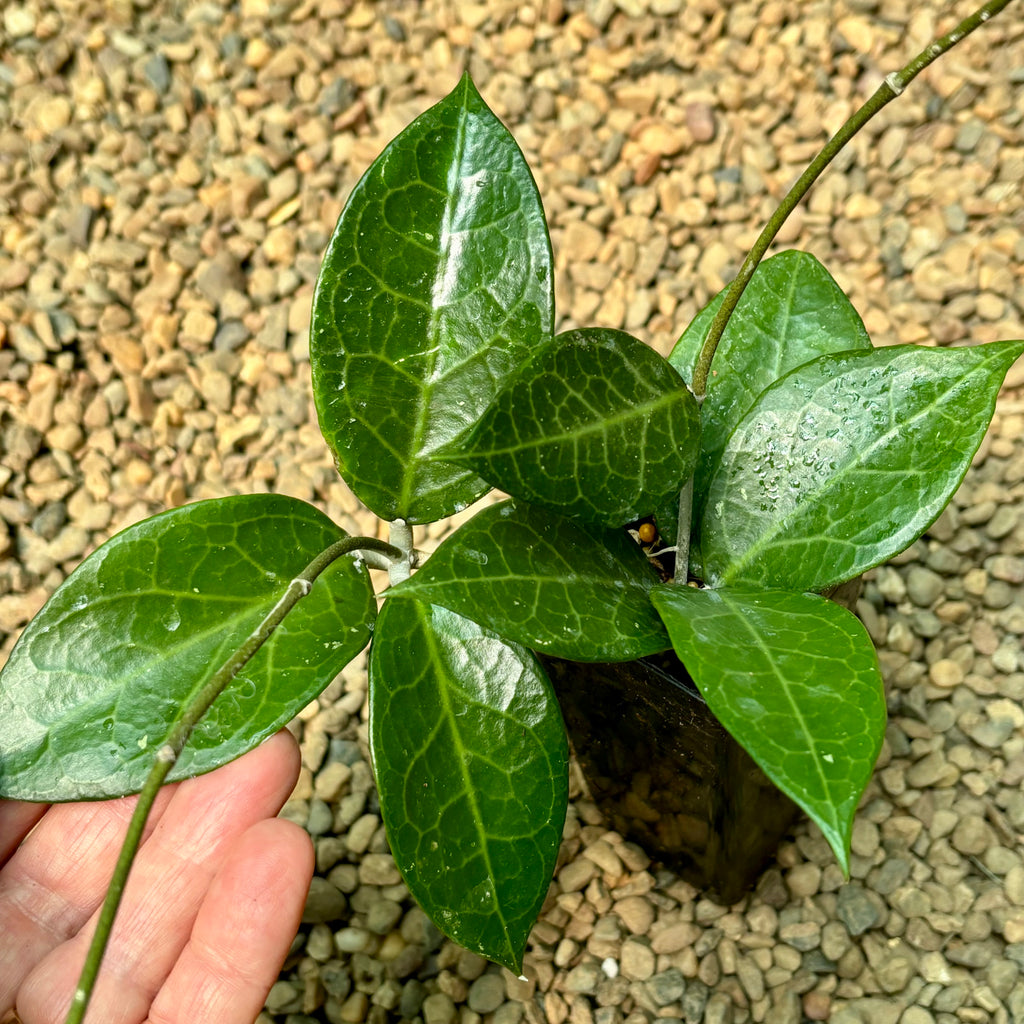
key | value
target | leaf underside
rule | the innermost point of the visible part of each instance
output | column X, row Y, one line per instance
column 795, row 680
column 413, row 332
column 471, row 760
column 596, row 426
column 97, row 678
column 845, row 461
column 547, row 582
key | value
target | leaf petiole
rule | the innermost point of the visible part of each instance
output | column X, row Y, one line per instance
column 178, row 736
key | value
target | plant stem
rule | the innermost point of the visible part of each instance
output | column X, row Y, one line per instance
column 682, row 572
column 893, row 85
column 178, row 736
column 401, row 537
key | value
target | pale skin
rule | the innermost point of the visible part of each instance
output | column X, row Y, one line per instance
column 212, row 904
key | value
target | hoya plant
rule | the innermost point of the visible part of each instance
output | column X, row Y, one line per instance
column 773, row 455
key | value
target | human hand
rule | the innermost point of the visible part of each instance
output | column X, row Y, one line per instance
column 212, row 903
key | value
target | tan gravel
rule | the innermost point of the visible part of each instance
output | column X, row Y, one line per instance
column 169, row 175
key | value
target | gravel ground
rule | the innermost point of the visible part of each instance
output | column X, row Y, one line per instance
column 169, row 176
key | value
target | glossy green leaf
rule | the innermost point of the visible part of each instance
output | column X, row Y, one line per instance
column 791, row 312
column 436, row 285
column 846, row 461
column 795, row 680
column 550, row 583
column 471, row 760
column 98, row 677
column 596, row 426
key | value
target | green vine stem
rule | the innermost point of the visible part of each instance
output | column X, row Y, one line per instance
column 178, row 736
column 893, row 85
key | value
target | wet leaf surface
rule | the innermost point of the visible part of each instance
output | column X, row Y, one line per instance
column 436, row 285
column 795, row 680
column 547, row 582
column 100, row 674
column 471, row 760
column 846, row 461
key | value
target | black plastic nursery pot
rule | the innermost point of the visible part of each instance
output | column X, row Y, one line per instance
column 666, row 774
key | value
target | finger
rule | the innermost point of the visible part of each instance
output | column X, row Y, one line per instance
column 169, row 878
column 56, row 879
column 243, row 931
column 16, row 821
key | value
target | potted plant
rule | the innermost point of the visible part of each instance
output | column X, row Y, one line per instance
column 795, row 461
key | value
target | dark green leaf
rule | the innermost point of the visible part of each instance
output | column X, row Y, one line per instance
column 596, row 426
column 471, row 760
column 795, row 680
column 547, row 582
column 437, row 284
column 791, row 312
column 98, row 677
column 847, row 460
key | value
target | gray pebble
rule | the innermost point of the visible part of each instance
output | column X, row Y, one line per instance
column 816, row 962
column 361, row 832
column 158, row 72
column 917, row 1015
column 856, row 910
column 584, row 978
column 438, row 1009
column 232, row 46
column 891, row 874
column 329, row 850
column 925, row 624
column 894, row 973
column 695, row 999
column 508, row 1013
column 231, row 334
column 991, row 734
column 49, row 522
column 394, row 29
column 802, row 935
column 321, row 818
column 944, row 561
column 388, row 994
column 367, row 973
column 323, row 902
column 1002, row 522
column 413, row 994
column 282, row 997
column 666, row 986
column 383, row 916
column 353, row 940
column 296, row 811
column 487, row 993
column 998, row 594
column 378, row 869
column 787, row 1010
column 924, row 587
column 718, row 1010
column 320, row 943
column 972, row 835
column 409, row 960
column 345, row 751
column 336, row 97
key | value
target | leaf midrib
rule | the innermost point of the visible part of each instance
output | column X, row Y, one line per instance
column 460, row 759
column 585, row 432
column 408, row 491
column 784, row 688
